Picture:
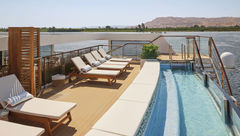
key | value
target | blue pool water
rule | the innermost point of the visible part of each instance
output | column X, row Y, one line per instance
column 183, row 107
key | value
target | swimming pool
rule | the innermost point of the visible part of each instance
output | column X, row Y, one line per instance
column 182, row 107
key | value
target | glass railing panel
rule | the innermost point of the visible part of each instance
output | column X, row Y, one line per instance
column 132, row 49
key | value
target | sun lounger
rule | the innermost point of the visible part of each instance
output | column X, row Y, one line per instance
column 110, row 75
column 14, row 129
column 108, row 57
column 93, row 62
column 32, row 108
column 98, row 57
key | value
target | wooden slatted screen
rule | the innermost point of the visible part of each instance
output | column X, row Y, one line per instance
column 37, row 62
column 23, row 48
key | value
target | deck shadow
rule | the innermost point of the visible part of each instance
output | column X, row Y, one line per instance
column 130, row 68
column 123, row 76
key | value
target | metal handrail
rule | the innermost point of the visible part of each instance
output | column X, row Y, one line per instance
column 156, row 38
column 121, row 46
column 132, row 43
column 198, row 52
column 56, row 54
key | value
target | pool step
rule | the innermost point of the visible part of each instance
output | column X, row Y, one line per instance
column 208, row 67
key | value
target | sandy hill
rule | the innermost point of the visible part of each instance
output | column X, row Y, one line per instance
column 161, row 22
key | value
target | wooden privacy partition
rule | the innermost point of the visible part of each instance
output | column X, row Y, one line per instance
column 23, row 54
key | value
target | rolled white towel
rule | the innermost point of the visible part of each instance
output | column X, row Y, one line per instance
column 96, row 63
column 86, row 68
column 102, row 60
column 108, row 57
column 14, row 100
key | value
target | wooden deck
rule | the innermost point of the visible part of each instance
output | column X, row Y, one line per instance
column 93, row 99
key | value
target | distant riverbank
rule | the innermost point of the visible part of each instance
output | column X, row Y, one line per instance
column 195, row 28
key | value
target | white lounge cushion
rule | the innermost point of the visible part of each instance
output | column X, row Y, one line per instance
column 90, row 59
column 102, row 52
column 78, row 62
column 96, row 63
column 117, row 67
column 86, row 68
column 14, row 100
column 14, row 129
column 43, row 108
column 116, row 63
column 108, row 57
column 96, row 55
column 121, row 59
column 103, row 72
column 102, row 60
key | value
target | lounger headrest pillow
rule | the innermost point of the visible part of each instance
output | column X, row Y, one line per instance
column 14, row 100
column 102, row 60
column 108, row 57
column 96, row 63
column 86, row 68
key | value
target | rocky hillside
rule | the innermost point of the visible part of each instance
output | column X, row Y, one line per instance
column 162, row 22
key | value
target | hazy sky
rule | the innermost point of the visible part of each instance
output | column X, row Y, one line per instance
column 85, row 13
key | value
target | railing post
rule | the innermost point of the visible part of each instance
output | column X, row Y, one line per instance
column 62, row 64
column 122, row 52
column 44, row 71
column 184, row 52
column 194, row 48
column 170, row 53
column 188, row 48
column 210, row 48
column 137, row 51
column 110, row 46
column 199, row 42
